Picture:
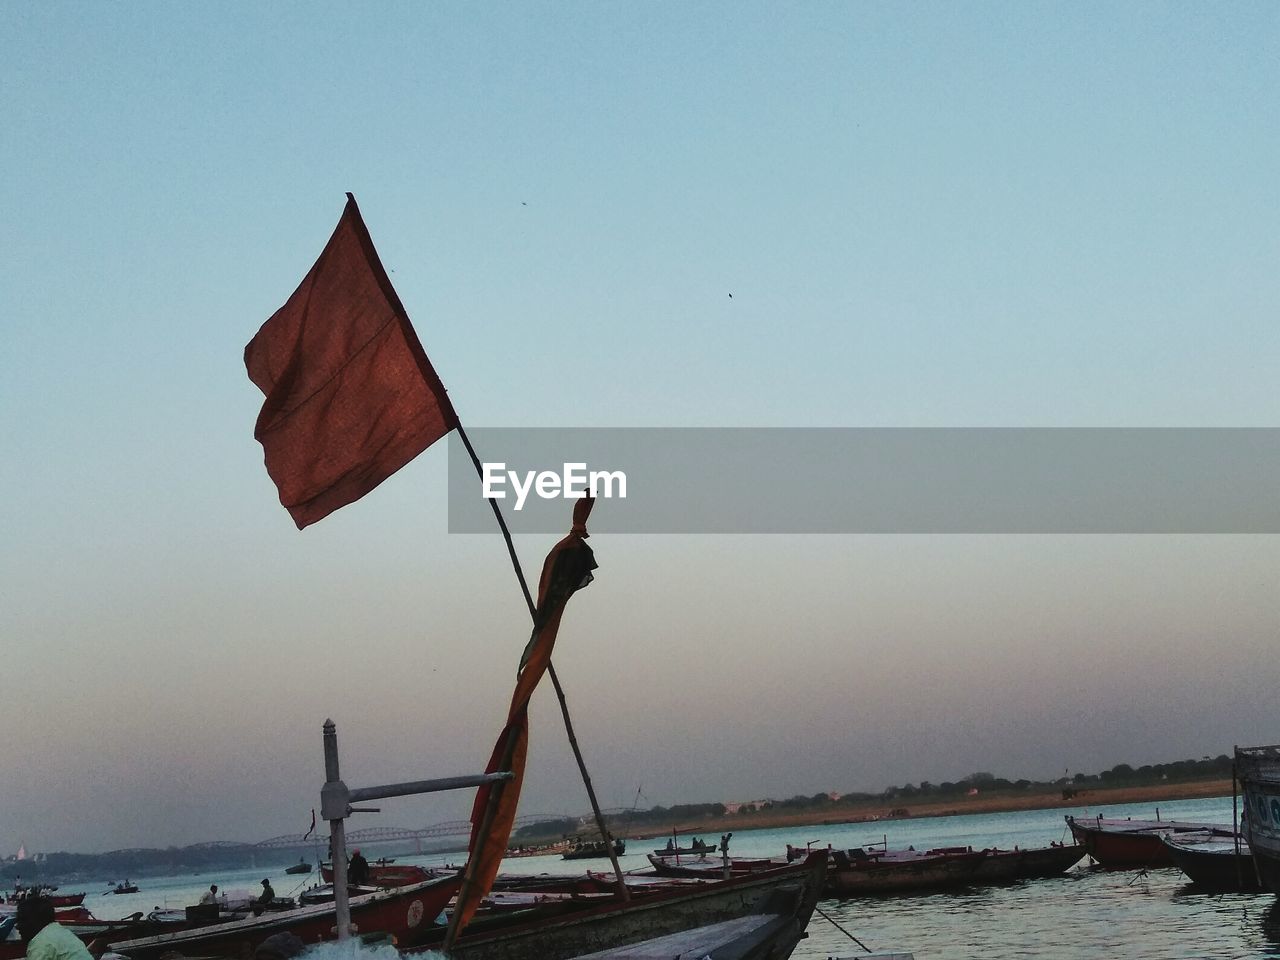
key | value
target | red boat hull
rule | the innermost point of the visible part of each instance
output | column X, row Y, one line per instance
column 406, row 913
column 387, row 875
column 1129, row 844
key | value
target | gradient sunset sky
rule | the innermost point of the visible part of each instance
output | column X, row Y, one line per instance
column 995, row 214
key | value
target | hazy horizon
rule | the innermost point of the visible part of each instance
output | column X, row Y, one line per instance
column 1003, row 215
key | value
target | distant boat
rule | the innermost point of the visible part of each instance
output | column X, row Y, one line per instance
column 593, row 849
column 701, row 851
column 300, row 867
column 1258, row 769
column 1128, row 844
column 126, row 887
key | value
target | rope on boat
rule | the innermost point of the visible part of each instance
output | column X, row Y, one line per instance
column 818, row 911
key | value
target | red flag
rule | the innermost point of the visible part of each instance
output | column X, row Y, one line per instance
column 566, row 570
column 350, row 394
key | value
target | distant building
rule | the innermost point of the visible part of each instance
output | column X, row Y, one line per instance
column 735, row 806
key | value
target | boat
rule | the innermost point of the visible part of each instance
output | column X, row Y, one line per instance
column 1010, row 866
column 1258, row 770
column 710, row 870
column 98, row 933
column 49, row 893
column 126, row 887
column 405, row 913
column 1128, row 844
column 592, row 849
column 387, row 875
column 760, row 916
column 1211, row 862
column 872, row 872
column 698, row 850
column 298, row 868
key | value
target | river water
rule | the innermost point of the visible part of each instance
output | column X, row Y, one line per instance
column 1088, row 913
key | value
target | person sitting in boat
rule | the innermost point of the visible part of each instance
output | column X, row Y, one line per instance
column 46, row 938
column 357, row 870
column 265, row 897
column 210, row 895
column 671, row 845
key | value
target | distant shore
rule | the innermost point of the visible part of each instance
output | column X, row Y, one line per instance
column 1093, row 799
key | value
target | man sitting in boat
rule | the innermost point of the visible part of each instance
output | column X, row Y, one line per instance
column 264, row 899
column 46, row 938
column 210, row 895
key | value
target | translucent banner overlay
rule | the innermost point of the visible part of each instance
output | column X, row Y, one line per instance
column 875, row 480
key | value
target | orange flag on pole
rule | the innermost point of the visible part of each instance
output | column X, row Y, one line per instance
column 350, row 394
column 566, row 570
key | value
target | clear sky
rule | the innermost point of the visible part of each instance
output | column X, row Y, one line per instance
column 982, row 214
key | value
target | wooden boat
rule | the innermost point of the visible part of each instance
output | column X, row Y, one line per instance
column 859, row 873
column 759, row 916
column 708, row 869
column 1220, row 864
column 592, row 849
column 405, row 913
column 84, row 925
column 692, row 852
column 298, row 868
column 125, row 887
column 48, row 893
column 1127, row 844
column 1258, row 769
column 1009, row 866
column 387, row 875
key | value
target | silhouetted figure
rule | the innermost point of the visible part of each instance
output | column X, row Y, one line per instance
column 357, row 870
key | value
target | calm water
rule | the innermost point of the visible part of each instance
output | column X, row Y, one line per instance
column 1085, row 914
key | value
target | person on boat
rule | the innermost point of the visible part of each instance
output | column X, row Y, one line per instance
column 210, row 895
column 671, row 845
column 267, row 895
column 46, row 938
column 357, row 870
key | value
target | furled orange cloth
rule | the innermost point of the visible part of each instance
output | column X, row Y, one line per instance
column 566, row 570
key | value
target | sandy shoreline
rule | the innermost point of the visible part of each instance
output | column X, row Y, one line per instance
column 1091, row 799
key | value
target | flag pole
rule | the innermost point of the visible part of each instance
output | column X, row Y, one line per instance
column 555, row 680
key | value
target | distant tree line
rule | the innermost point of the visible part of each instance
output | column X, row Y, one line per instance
column 118, row 864
column 135, row 863
column 1121, row 775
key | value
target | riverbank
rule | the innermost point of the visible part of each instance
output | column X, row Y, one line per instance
column 1094, row 800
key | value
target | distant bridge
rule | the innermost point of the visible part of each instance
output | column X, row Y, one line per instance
column 371, row 835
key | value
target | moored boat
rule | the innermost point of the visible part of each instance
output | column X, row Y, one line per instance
column 759, row 916
column 1220, row 864
column 1127, row 844
column 298, row 868
column 405, row 913
column 1008, row 866
column 874, row 872
column 710, row 869
column 1258, row 770
column 387, row 875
